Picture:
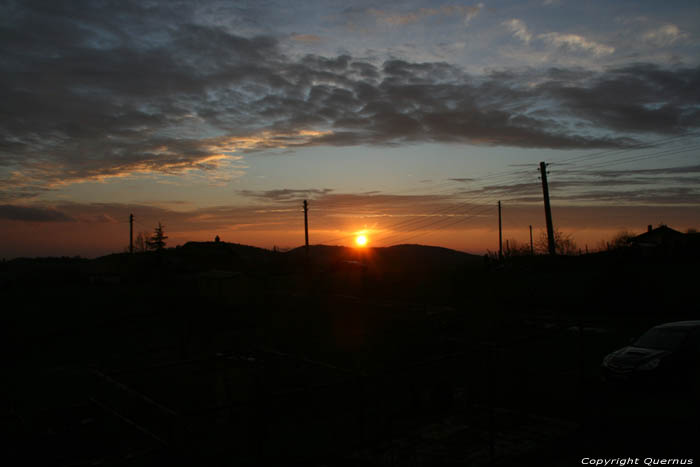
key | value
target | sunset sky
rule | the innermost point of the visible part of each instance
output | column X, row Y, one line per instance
column 404, row 121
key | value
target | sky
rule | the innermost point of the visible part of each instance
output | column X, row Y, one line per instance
column 404, row 121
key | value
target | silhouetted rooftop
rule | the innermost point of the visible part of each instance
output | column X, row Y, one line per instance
column 658, row 235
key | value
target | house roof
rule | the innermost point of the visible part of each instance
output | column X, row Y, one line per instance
column 658, row 235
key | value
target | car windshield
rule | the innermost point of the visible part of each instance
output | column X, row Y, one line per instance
column 662, row 338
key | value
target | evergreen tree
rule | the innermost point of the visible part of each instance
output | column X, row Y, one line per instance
column 157, row 241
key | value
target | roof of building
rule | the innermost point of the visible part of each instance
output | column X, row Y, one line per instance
column 658, row 235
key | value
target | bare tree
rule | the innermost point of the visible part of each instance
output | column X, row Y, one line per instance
column 141, row 242
column 620, row 240
column 564, row 243
column 515, row 248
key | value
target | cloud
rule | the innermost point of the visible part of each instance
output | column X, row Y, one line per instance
column 89, row 96
column 519, row 29
column 308, row 38
column 463, row 180
column 576, row 42
column 635, row 98
column 472, row 12
column 32, row 214
column 664, row 35
column 401, row 19
column 568, row 42
column 286, row 194
column 639, row 19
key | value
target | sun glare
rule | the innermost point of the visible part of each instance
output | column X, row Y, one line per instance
column 361, row 240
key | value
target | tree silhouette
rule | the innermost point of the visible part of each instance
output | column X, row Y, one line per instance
column 514, row 248
column 563, row 242
column 620, row 240
column 141, row 242
column 157, row 241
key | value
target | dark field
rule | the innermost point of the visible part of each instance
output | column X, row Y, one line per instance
column 220, row 354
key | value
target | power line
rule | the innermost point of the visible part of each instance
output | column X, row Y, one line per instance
column 599, row 164
column 483, row 184
column 435, row 220
column 457, row 221
column 443, row 221
column 428, row 219
column 474, row 197
column 641, row 145
column 669, row 152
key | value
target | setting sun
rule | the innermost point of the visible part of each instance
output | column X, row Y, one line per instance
column 361, row 240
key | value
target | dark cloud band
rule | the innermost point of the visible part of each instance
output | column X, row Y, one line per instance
column 32, row 214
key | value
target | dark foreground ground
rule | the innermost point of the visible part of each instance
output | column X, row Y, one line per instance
column 218, row 354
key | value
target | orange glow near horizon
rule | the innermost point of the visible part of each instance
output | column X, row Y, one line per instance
column 89, row 235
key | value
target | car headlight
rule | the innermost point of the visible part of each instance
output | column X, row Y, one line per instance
column 608, row 358
column 650, row 365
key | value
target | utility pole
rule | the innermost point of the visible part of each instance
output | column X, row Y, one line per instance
column 500, row 233
column 131, row 233
column 547, row 210
column 306, row 226
column 532, row 246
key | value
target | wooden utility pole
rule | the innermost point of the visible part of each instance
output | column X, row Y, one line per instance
column 500, row 233
column 532, row 246
column 131, row 233
column 306, row 226
column 547, row 210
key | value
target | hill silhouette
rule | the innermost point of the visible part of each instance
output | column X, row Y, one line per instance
column 198, row 257
column 386, row 259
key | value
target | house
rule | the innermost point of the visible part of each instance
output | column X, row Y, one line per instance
column 661, row 241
